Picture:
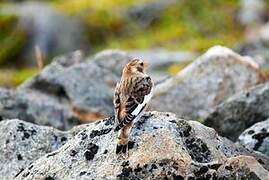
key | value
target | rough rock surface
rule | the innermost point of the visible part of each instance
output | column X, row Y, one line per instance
column 22, row 143
column 205, row 83
column 161, row 146
column 83, row 84
column 240, row 111
column 35, row 107
column 256, row 137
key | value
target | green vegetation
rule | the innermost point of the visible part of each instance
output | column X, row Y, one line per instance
column 190, row 25
column 12, row 38
column 14, row 77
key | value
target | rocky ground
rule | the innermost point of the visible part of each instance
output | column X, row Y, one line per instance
column 220, row 89
column 161, row 146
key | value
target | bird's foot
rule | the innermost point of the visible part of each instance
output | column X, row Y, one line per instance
column 123, row 150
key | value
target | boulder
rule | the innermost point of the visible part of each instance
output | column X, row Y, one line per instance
column 22, row 143
column 256, row 137
column 161, row 146
column 240, row 111
column 82, row 84
column 205, row 83
column 36, row 107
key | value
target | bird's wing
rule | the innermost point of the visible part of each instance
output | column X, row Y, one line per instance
column 117, row 101
column 140, row 93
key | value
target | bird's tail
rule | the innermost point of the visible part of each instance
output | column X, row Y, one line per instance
column 129, row 118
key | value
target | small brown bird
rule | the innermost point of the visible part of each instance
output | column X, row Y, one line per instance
column 131, row 98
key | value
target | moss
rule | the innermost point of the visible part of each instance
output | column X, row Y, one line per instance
column 11, row 77
column 191, row 25
column 23, row 74
column 12, row 37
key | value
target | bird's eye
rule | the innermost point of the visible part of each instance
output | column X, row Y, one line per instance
column 142, row 64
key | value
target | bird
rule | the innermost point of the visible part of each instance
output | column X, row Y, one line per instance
column 131, row 98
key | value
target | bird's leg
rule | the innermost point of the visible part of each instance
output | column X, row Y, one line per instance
column 122, row 146
column 122, row 142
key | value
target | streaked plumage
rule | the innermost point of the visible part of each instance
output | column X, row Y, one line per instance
column 131, row 98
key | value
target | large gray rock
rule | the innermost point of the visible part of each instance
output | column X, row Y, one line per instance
column 240, row 111
column 35, row 107
column 161, row 146
column 22, row 143
column 205, row 83
column 83, row 84
column 256, row 137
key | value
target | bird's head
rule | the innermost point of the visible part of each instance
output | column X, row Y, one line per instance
column 135, row 66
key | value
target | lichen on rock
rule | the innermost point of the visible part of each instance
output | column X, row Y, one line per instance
column 161, row 146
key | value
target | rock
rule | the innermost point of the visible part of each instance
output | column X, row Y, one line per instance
column 161, row 146
column 240, row 111
column 241, row 167
column 251, row 12
column 205, row 83
column 35, row 107
column 43, row 23
column 84, row 85
column 256, row 137
column 22, row 143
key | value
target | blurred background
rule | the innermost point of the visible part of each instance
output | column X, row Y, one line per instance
column 31, row 29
